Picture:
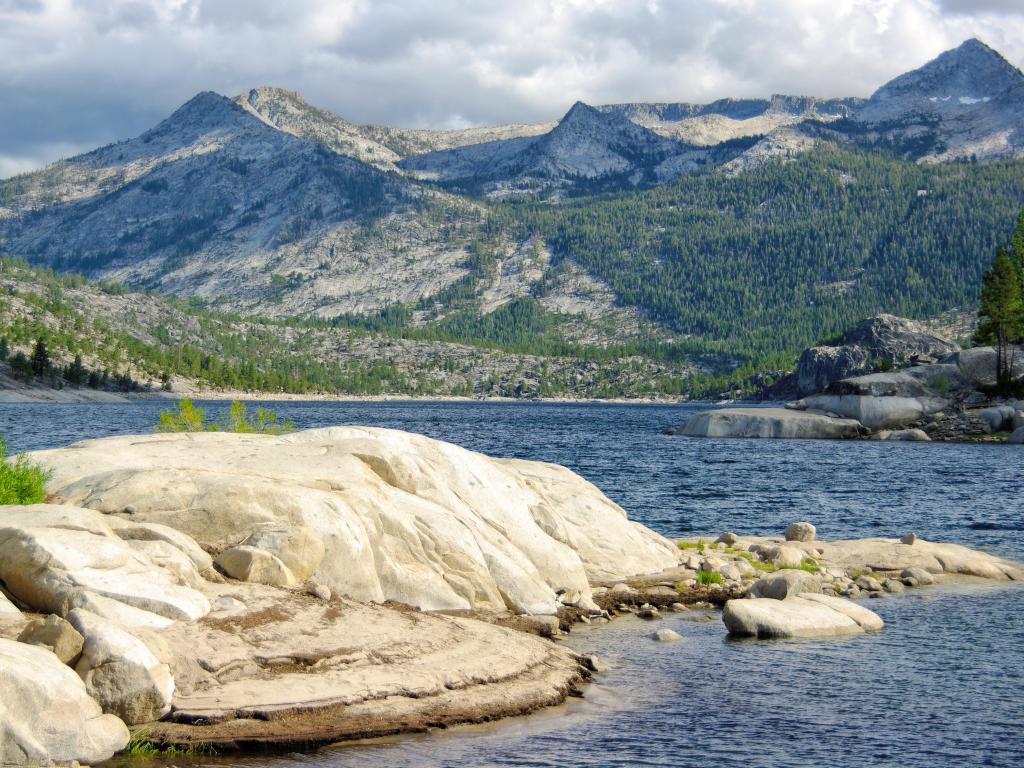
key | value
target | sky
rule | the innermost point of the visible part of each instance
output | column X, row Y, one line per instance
column 76, row 74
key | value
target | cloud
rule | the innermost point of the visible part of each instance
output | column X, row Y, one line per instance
column 80, row 73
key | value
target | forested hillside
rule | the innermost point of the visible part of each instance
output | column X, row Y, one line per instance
column 768, row 261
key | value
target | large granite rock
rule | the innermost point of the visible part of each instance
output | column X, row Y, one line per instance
column 877, row 412
column 55, row 558
column 978, row 364
column 769, row 422
column 399, row 516
column 884, row 337
column 121, row 672
column 56, row 635
column 785, row 583
column 46, row 716
column 803, row 616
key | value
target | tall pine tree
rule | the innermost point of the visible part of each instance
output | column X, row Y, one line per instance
column 1001, row 315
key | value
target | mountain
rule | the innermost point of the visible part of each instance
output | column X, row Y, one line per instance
column 724, row 233
column 587, row 145
column 968, row 102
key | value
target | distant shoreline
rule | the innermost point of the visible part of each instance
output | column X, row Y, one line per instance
column 29, row 395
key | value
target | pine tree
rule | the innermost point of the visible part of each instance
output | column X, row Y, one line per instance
column 1001, row 315
column 40, row 360
column 1017, row 249
column 76, row 373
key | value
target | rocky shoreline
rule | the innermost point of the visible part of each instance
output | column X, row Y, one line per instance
column 249, row 592
column 887, row 379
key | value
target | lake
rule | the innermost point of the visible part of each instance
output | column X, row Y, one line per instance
column 941, row 685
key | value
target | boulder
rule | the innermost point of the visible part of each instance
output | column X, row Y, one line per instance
column 801, row 531
column 783, row 556
column 878, row 412
column 401, row 517
column 730, row 572
column 978, row 365
column 56, row 635
column 54, row 558
column 666, row 636
column 120, row 672
column 728, row 538
column 1017, row 422
column 46, row 716
column 1017, row 436
column 786, row 583
column 247, row 563
column 868, row 583
column 299, row 547
column 889, row 384
column 806, row 616
column 769, row 422
column 920, row 575
column 997, row 418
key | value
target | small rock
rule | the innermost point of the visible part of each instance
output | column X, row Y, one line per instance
column 319, row 591
column 648, row 611
column 226, row 603
column 58, row 635
column 595, row 664
column 786, row 583
column 920, row 575
column 893, row 585
column 677, row 607
column 910, row 581
column 666, row 636
column 620, row 589
column 876, row 594
column 910, row 538
column 130, row 509
column 801, row 531
column 598, row 591
column 728, row 538
column 730, row 572
column 868, row 584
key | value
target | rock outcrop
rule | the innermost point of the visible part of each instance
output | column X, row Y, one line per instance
column 398, row 516
column 894, row 340
column 769, row 422
column 46, row 716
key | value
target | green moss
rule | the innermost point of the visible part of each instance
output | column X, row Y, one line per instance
column 809, row 564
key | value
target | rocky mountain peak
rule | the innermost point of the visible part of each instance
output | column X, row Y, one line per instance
column 967, row 76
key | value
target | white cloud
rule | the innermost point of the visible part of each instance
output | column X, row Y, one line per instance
column 86, row 72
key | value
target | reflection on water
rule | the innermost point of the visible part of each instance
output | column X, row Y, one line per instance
column 940, row 686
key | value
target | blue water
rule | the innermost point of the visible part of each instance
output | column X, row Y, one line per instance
column 942, row 685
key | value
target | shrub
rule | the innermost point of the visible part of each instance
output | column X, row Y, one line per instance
column 187, row 418
column 709, row 577
column 21, row 481
column 190, row 418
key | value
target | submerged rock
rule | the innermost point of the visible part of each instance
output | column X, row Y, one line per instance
column 666, row 636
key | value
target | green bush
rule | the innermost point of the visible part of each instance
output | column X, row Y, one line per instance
column 21, row 481
column 709, row 577
column 190, row 418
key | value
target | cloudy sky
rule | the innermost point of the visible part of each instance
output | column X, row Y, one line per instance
column 75, row 74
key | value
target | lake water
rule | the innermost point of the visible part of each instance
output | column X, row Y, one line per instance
column 942, row 685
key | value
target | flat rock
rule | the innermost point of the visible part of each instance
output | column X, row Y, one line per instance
column 806, row 616
column 401, row 517
column 46, row 716
column 769, row 422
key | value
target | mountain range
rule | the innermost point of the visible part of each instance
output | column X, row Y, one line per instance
column 624, row 221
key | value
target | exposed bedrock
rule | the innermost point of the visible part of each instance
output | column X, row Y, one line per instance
column 373, row 514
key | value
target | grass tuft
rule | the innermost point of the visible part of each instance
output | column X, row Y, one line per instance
column 709, row 577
